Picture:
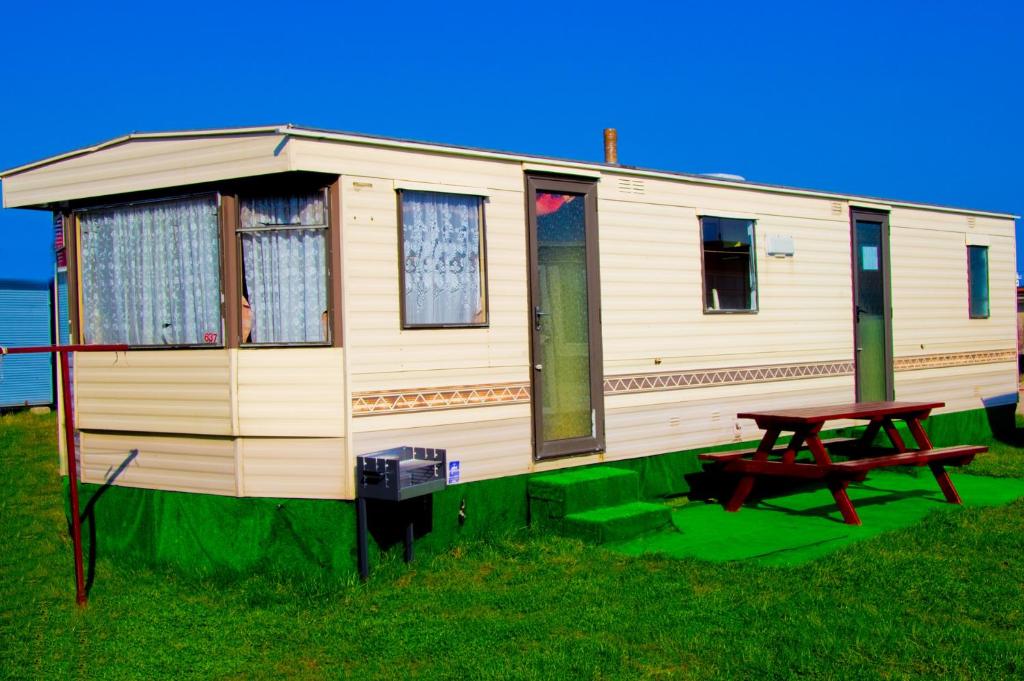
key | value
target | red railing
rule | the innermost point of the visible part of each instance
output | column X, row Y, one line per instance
column 69, row 437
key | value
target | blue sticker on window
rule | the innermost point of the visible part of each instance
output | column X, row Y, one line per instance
column 453, row 472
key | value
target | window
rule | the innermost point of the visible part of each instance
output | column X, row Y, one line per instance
column 977, row 281
column 151, row 273
column 442, row 268
column 284, row 268
column 730, row 279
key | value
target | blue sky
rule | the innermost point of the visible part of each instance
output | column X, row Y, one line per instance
column 909, row 100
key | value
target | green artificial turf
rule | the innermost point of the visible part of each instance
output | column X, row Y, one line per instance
column 937, row 599
column 801, row 526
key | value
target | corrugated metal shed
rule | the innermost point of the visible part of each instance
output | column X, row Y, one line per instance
column 25, row 320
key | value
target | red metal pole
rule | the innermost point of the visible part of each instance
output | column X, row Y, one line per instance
column 69, row 439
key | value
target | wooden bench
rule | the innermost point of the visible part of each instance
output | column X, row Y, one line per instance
column 960, row 455
column 734, row 454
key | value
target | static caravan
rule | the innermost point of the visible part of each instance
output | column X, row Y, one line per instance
column 296, row 297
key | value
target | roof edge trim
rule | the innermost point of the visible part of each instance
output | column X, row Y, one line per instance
column 209, row 132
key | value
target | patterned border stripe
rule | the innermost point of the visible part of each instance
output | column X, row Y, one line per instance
column 698, row 378
column 372, row 402
column 392, row 401
column 954, row 359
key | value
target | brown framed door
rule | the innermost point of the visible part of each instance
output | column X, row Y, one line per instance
column 872, row 306
column 565, row 321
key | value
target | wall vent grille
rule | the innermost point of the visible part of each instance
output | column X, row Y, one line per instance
column 837, row 208
column 630, row 185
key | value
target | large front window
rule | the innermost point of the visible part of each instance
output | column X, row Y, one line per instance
column 151, row 273
column 284, row 268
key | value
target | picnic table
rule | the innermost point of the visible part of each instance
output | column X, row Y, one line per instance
column 806, row 423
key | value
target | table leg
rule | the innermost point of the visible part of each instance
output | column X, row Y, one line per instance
column 816, row 446
column 917, row 430
column 849, row 513
column 870, row 432
column 942, row 477
column 746, row 483
column 789, row 456
column 894, row 435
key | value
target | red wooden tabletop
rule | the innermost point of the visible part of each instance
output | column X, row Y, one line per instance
column 853, row 410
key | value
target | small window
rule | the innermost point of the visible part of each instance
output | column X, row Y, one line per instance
column 730, row 279
column 151, row 273
column 442, row 268
column 977, row 281
column 284, row 268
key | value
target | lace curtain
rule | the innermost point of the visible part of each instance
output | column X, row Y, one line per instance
column 284, row 261
column 442, row 258
column 151, row 273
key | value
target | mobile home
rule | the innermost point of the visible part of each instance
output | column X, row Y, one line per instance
column 295, row 297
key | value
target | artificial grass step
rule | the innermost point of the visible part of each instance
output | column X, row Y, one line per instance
column 554, row 496
column 617, row 523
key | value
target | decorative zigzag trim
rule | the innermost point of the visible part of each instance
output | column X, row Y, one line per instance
column 371, row 402
column 954, row 359
column 644, row 383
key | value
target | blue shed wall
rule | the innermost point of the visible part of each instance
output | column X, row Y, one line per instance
column 25, row 320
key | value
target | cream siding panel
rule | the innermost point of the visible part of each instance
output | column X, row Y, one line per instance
column 499, row 449
column 140, row 165
column 180, row 464
column 719, row 200
column 652, row 294
column 707, row 416
column 381, row 352
column 961, row 388
column 306, row 468
column 929, row 294
column 936, row 219
column 155, row 391
column 405, row 165
column 291, row 392
column 484, row 416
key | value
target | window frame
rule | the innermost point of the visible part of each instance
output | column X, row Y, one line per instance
column 484, row 288
column 753, row 267
column 75, row 257
column 238, row 274
column 988, row 285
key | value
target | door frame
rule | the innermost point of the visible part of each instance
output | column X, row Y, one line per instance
column 595, row 442
column 878, row 216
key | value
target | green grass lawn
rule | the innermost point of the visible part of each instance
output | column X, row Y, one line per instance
column 941, row 599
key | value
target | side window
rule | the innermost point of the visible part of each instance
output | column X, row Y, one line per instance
column 442, row 268
column 977, row 281
column 151, row 273
column 730, row 275
column 284, row 268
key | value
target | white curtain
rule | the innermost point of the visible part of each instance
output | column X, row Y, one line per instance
column 441, row 257
column 285, row 270
column 151, row 273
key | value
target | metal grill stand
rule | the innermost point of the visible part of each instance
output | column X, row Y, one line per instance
column 395, row 475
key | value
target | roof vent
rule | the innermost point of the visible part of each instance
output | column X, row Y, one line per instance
column 726, row 176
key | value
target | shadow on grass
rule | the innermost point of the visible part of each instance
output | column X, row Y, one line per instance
column 824, row 511
column 87, row 516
